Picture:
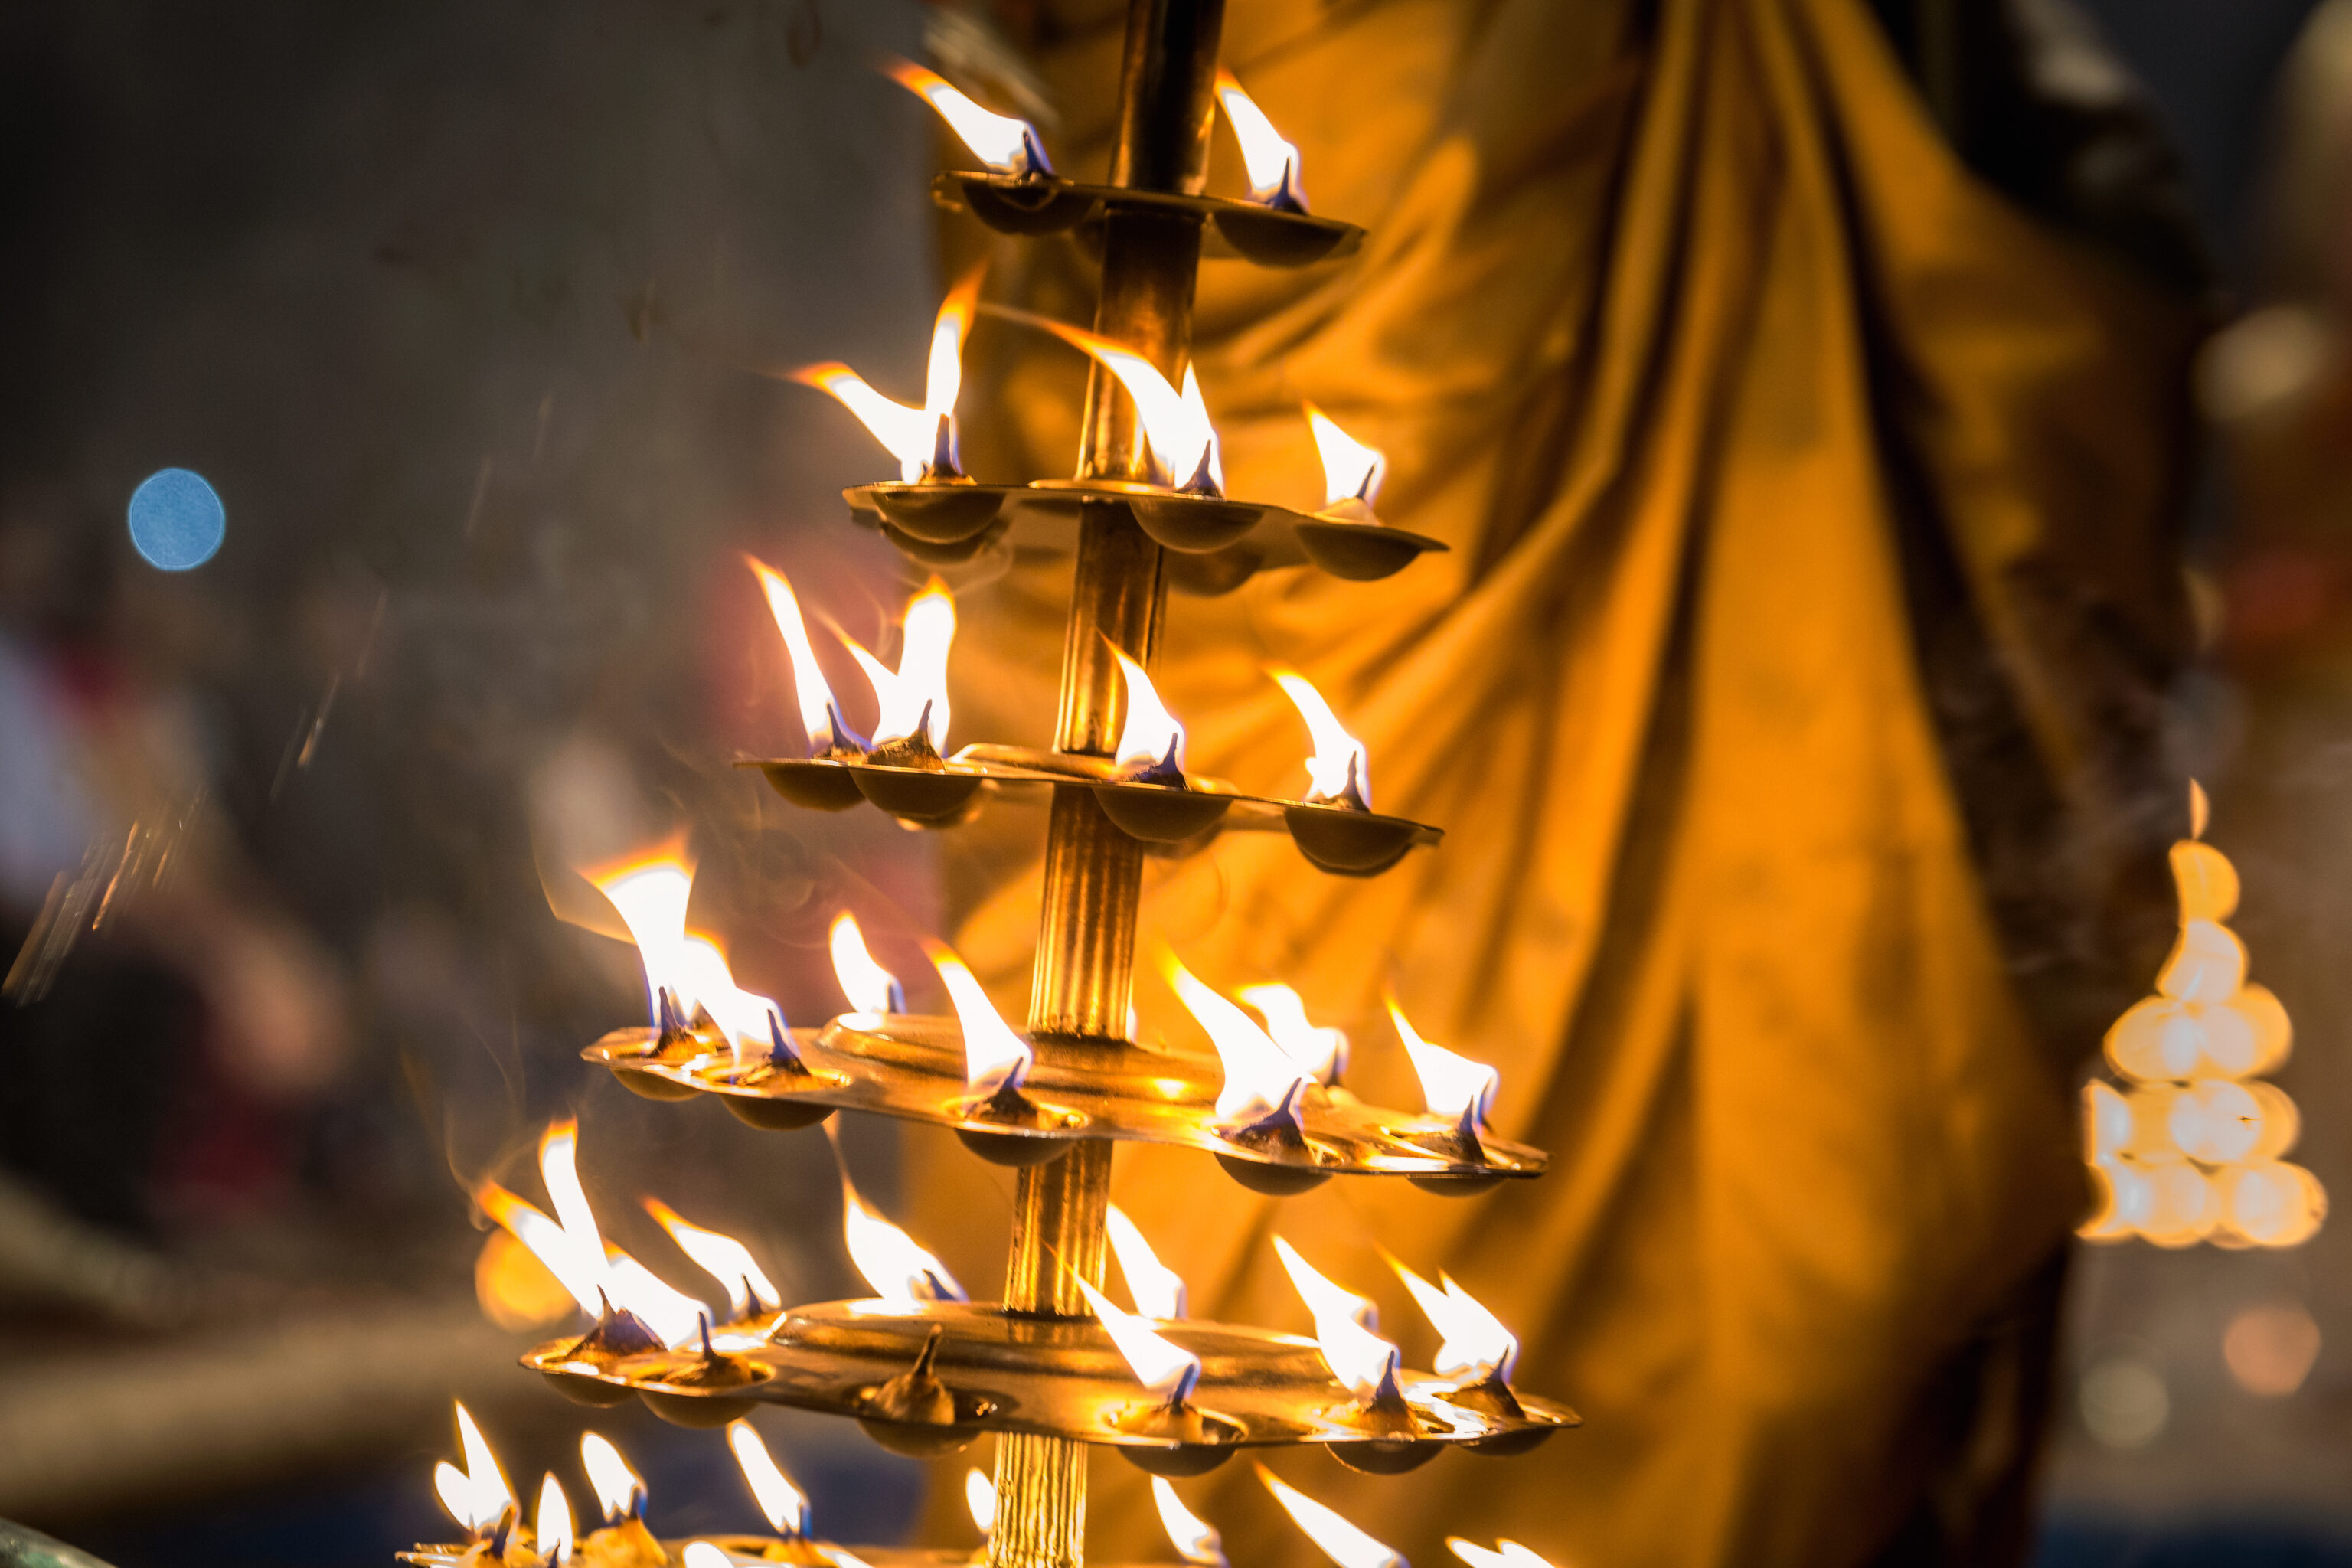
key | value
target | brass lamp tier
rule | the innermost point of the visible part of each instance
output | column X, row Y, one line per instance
column 913, row 1067
column 1048, row 204
column 1219, row 543
column 928, row 1378
column 800, row 1553
column 1344, row 840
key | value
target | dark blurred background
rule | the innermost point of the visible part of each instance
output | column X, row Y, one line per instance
column 465, row 311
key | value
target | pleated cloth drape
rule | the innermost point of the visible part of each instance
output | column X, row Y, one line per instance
column 1733, row 393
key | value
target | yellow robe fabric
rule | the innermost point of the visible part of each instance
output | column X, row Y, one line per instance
column 1664, row 307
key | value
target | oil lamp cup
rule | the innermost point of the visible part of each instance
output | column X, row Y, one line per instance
column 1280, row 1137
column 929, row 555
column 1198, row 1441
column 816, row 785
column 1046, row 204
column 1161, row 814
column 1492, row 1398
column 915, row 1413
column 1034, row 1132
column 700, row 1396
column 1348, row 842
column 937, row 511
column 917, row 794
column 1361, row 552
column 1195, row 525
column 1024, row 203
column 776, row 1115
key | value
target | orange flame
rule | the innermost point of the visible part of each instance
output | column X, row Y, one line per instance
column 554, row 1526
column 1344, row 1322
column 1321, row 1051
column 1473, row 1342
column 1167, row 1371
column 651, row 892
column 574, row 1251
column 1340, row 768
column 922, row 439
column 820, row 715
column 1196, row 1541
column 1158, row 1289
column 620, row 1490
column 901, row 1271
column 478, row 1495
column 1340, row 1541
column 1176, row 423
column 1007, row 146
column 784, row 1505
column 909, row 435
column 1451, row 1085
column 1272, row 162
column 1151, row 735
column 722, row 1257
column 1260, row 1077
column 1351, row 471
column 995, row 1058
column 1505, row 1554
column 871, row 989
column 980, row 1498
column 919, row 685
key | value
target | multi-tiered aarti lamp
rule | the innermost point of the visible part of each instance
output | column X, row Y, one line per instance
column 1056, row 1367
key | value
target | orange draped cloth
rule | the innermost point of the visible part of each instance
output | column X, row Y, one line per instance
column 1681, row 325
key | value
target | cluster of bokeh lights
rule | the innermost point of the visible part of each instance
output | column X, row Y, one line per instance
column 2189, row 1150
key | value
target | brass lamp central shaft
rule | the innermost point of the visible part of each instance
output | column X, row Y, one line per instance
column 1079, row 986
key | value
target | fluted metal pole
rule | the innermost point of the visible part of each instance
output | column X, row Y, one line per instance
column 1093, row 879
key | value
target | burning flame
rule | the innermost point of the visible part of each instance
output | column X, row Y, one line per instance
column 1341, row 1542
column 980, row 1497
column 1007, row 146
column 1351, row 471
column 1451, row 1085
column 1196, row 1539
column 871, row 989
column 722, row 1257
column 996, row 1059
column 651, row 895
column 922, row 439
column 620, row 1491
column 1273, row 163
column 911, row 434
column 784, row 1505
column 1505, row 1554
column 478, row 1495
column 820, row 715
column 1158, row 1289
column 1183, row 441
column 943, row 376
column 918, row 687
column 1344, row 1322
column 707, row 1554
column 580, row 1271
column 1260, row 1077
column 1473, row 1342
column 901, row 1273
column 673, row 1314
column 1167, row 1371
column 553, row 1531
column 574, row 1251
column 1323, row 1052
column 1340, row 768
column 1151, row 736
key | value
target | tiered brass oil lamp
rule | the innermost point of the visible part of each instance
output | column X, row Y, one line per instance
column 1055, row 1366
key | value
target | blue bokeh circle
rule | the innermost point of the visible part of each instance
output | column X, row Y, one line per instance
column 177, row 521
